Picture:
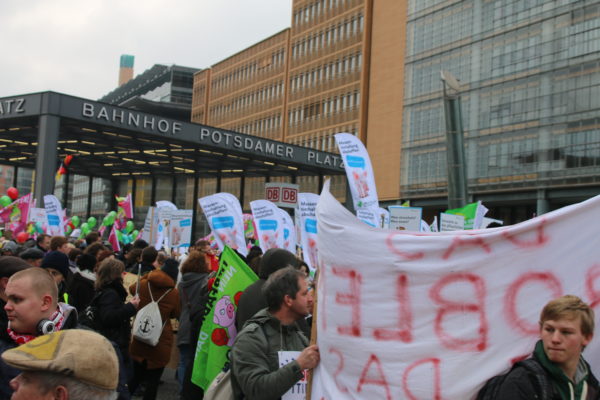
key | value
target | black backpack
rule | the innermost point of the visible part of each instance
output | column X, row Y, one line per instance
column 537, row 375
column 90, row 314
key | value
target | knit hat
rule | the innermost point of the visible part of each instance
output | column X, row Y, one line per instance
column 32, row 254
column 81, row 354
column 171, row 268
column 275, row 259
column 58, row 261
column 86, row 261
column 10, row 246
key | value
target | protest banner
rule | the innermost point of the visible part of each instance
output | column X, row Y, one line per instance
column 148, row 232
column 37, row 215
column 289, row 232
column 435, row 315
column 269, row 226
column 16, row 215
column 451, row 222
column 218, row 327
column 54, row 216
column 225, row 219
column 307, row 220
column 405, row 218
column 361, row 178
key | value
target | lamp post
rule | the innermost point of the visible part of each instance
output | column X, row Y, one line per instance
column 455, row 152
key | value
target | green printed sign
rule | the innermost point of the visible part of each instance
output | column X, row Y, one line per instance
column 218, row 328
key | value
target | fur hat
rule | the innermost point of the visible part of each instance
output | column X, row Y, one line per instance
column 81, row 354
column 171, row 268
column 58, row 261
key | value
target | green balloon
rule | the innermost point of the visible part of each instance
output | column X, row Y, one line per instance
column 113, row 215
column 110, row 219
column 105, row 221
column 85, row 228
column 119, row 236
column 129, row 226
column 5, row 201
column 75, row 220
column 135, row 234
column 92, row 222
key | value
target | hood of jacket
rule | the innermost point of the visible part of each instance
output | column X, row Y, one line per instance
column 160, row 279
column 192, row 278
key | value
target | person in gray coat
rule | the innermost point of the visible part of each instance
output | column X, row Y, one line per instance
column 255, row 372
column 193, row 295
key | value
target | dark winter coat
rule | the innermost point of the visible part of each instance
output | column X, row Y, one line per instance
column 192, row 290
column 170, row 307
column 521, row 385
column 81, row 292
column 114, row 316
column 254, row 358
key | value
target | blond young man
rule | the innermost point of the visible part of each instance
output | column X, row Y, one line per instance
column 566, row 327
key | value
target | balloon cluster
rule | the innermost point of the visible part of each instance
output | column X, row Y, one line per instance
column 11, row 195
column 128, row 234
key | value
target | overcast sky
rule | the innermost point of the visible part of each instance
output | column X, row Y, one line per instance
column 73, row 46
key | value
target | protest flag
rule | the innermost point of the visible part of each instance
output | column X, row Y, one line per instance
column 17, row 214
column 113, row 239
column 218, row 329
column 125, row 207
column 473, row 213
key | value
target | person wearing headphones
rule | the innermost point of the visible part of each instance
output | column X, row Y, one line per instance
column 33, row 310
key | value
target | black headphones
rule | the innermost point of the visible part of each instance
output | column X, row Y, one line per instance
column 45, row 327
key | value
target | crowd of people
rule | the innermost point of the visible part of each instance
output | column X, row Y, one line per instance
column 68, row 299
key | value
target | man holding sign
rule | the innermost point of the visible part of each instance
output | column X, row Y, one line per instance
column 566, row 327
column 273, row 330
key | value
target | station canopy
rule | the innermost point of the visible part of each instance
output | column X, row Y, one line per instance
column 38, row 130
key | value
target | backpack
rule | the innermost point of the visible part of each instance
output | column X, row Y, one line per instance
column 537, row 375
column 148, row 325
column 90, row 314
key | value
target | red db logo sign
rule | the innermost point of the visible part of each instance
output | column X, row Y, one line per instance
column 273, row 194
column 289, row 195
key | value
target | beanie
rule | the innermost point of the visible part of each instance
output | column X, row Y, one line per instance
column 58, row 261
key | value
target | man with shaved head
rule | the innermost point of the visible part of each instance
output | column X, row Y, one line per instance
column 33, row 310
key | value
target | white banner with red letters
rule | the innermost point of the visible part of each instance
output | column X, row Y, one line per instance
column 409, row 315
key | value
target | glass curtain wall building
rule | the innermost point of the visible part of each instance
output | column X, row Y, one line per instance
column 530, row 72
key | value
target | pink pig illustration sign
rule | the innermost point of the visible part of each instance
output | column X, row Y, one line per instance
column 361, row 178
column 225, row 219
column 268, row 222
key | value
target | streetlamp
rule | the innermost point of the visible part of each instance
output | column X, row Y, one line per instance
column 455, row 152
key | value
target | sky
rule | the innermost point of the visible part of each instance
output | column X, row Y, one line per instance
column 74, row 46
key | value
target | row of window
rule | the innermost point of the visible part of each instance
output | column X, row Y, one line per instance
column 344, row 30
column 249, row 70
column 315, row 9
column 324, row 108
column 264, row 94
column 260, row 126
column 331, row 70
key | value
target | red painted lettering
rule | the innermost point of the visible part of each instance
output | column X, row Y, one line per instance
column 339, row 369
column 437, row 386
column 448, row 307
column 351, row 299
column 590, row 278
column 404, row 254
column 404, row 331
column 378, row 380
column 510, row 300
column 540, row 239
column 466, row 241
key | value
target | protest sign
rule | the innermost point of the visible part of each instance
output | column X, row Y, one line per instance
column 148, row 232
column 473, row 214
column 54, row 216
column 180, row 233
column 224, row 217
column 289, row 232
column 267, row 218
column 218, row 327
column 16, row 214
column 306, row 214
column 361, row 178
column 405, row 218
column 435, row 315
column 298, row 391
column 38, row 215
column 451, row 222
